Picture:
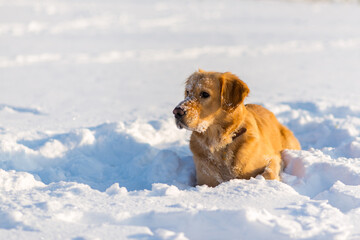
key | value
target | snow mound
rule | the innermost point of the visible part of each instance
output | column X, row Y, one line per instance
column 17, row 181
column 334, row 129
column 311, row 172
column 103, row 155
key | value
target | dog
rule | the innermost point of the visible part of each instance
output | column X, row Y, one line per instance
column 230, row 140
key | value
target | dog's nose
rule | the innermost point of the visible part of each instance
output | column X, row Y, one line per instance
column 178, row 112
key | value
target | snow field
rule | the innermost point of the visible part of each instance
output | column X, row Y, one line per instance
column 319, row 194
column 88, row 145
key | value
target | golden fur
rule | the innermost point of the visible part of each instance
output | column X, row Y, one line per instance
column 229, row 139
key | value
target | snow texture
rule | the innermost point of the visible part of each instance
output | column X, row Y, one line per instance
column 88, row 144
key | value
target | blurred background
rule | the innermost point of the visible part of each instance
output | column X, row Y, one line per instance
column 67, row 63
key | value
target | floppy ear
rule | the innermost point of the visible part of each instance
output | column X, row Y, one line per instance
column 233, row 91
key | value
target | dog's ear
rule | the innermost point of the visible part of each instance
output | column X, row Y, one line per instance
column 233, row 91
column 201, row 71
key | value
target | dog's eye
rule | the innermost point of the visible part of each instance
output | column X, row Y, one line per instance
column 187, row 93
column 204, row 95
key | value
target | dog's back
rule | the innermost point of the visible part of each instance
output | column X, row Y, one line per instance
column 267, row 122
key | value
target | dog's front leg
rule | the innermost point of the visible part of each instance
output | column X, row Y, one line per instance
column 272, row 170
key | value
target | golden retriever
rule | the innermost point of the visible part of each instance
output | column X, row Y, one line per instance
column 229, row 139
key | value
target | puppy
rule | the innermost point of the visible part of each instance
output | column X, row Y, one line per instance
column 229, row 139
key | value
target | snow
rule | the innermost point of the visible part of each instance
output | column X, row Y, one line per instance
column 88, row 144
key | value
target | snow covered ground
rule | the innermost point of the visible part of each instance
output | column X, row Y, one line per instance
column 88, row 146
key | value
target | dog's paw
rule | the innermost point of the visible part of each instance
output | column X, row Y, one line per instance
column 269, row 174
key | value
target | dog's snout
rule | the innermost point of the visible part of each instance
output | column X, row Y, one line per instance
column 179, row 112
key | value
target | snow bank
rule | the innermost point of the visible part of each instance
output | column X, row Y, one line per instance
column 145, row 174
column 332, row 128
column 103, row 155
column 316, row 172
column 253, row 209
column 139, row 153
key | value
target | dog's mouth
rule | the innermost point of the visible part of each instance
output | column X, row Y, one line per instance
column 180, row 124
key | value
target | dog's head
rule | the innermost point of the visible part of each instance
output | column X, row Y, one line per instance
column 208, row 96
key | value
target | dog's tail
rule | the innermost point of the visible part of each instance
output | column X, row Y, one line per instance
column 288, row 139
